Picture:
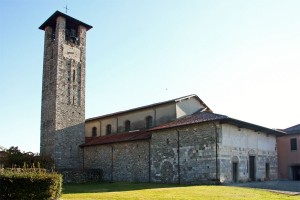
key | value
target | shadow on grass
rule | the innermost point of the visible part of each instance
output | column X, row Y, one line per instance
column 112, row 187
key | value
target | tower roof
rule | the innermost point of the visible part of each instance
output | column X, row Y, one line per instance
column 51, row 21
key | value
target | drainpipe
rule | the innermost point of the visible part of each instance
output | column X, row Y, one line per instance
column 154, row 117
column 112, row 164
column 82, row 157
column 117, row 125
column 178, row 156
column 149, row 161
column 100, row 127
column 217, row 169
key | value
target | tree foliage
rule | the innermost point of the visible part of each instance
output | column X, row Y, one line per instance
column 14, row 158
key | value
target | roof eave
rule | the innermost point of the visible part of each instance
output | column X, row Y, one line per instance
column 148, row 106
column 242, row 124
column 58, row 13
column 112, row 142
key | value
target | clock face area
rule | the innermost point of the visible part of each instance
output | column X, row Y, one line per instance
column 70, row 52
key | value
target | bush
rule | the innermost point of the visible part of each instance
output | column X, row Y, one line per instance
column 23, row 184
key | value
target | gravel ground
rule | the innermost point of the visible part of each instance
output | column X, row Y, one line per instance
column 287, row 187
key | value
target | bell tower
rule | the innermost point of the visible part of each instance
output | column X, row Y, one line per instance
column 63, row 90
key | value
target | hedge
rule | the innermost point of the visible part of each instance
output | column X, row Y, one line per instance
column 29, row 184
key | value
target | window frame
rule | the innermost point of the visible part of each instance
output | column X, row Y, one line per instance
column 293, row 144
column 94, row 131
column 149, row 121
column 108, row 129
column 127, row 125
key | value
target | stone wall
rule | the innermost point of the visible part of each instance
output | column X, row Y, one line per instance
column 128, row 161
column 63, row 95
column 81, row 176
column 240, row 143
column 194, row 154
column 196, row 160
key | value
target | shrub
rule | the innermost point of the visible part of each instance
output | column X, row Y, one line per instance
column 26, row 184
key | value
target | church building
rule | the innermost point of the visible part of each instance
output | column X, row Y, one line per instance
column 177, row 141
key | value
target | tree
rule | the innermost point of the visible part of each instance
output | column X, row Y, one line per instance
column 16, row 159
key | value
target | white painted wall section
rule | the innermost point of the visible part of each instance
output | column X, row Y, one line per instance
column 244, row 138
column 187, row 107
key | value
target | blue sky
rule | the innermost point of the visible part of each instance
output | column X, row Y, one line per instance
column 241, row 57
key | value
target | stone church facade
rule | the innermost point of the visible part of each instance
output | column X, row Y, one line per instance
column 193, row 145
column 176, row 141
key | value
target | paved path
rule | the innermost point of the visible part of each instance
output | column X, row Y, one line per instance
column 289, row 187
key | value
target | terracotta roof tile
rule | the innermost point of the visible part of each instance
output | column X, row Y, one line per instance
column 195, row 118
column 124, row 137
column 200, row 117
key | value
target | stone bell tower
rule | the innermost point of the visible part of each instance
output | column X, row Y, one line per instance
column 63, row 92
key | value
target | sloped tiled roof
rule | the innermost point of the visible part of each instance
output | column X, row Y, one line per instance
column 293, row 129
column 195, row 118
column 116, row 138
column 200, row 117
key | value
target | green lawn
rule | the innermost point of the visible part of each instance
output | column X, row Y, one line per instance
column 161, row 191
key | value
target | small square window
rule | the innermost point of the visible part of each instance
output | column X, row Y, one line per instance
column 293, row 144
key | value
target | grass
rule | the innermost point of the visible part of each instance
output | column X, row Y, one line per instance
column 151, row 191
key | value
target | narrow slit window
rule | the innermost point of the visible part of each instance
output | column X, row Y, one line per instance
column 69, row 81
column 79, row 84
column 73, row 75
column 52, row 52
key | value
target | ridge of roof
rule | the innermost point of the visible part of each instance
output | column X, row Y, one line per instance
column 151, row 105
column 52, row 20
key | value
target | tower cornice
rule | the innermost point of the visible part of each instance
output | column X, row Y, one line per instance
column 51, row 21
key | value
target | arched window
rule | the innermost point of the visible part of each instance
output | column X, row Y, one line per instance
column 108, row 129
column 94, row 131
column 149, row 121
column 127, row 125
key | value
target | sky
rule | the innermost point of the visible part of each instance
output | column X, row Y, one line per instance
column 241, row 57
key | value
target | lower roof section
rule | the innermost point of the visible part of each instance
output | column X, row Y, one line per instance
column 201, row 117
column 109, row 139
